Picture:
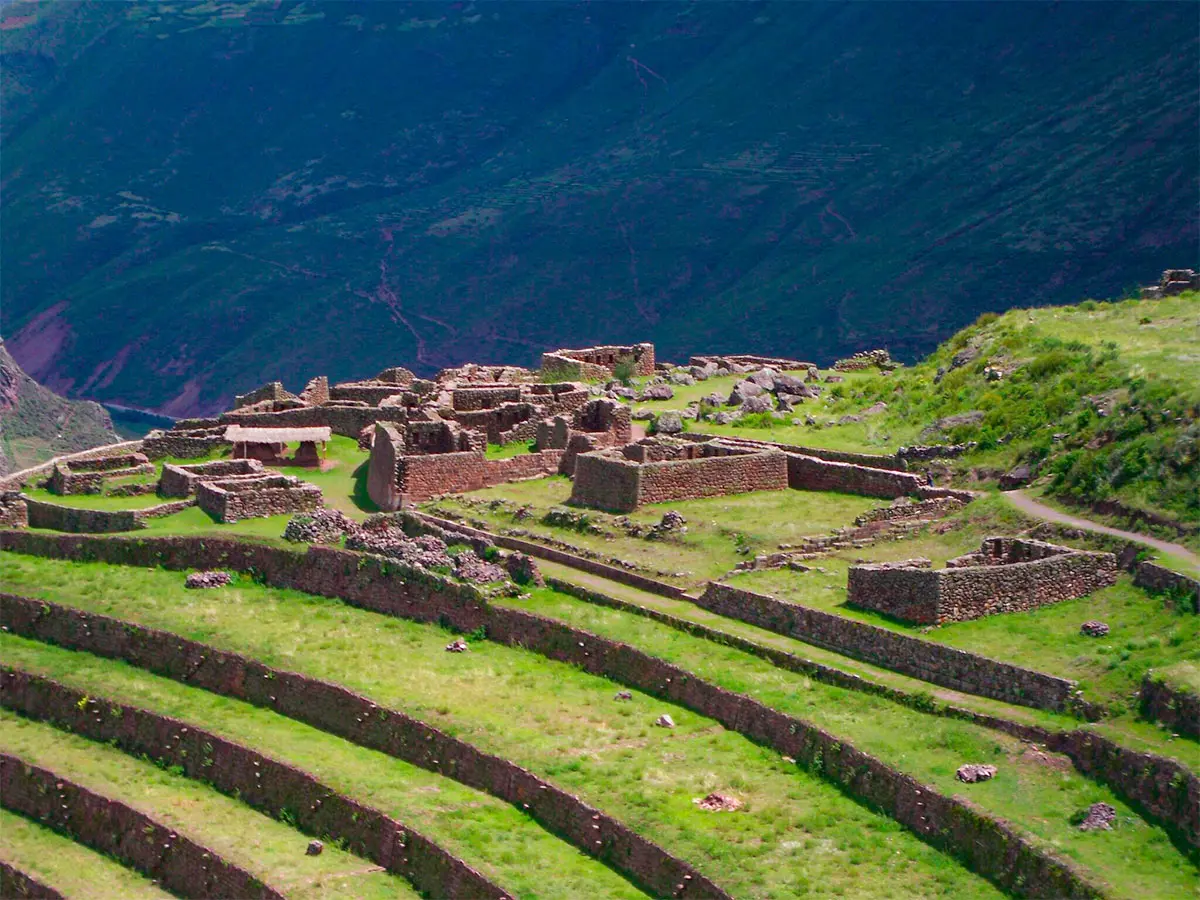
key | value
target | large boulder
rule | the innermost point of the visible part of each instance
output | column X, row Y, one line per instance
column 1016, row 477
column 742, row 391
column 765, row 378
column 658, row 392
column 681, row 378
column 761, row 403
column 668, row 422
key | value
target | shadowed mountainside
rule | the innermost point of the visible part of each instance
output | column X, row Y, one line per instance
column 36, row 424
column 201, row 197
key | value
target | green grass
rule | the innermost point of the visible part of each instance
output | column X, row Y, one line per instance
column 494, row 837
column 796, row 830
column 263, row 846
column 1037, row 795
column 70, row 868
column 1185, row 675
column 721, row 531
column 507, row 451
column 94, row 501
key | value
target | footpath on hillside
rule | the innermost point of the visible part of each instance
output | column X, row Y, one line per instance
column 1029, row 506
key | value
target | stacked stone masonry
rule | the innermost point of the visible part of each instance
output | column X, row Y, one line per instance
column 258, row 781
column 1153, row 577
column 87, row 476
column 985, row 844
column 181, row 480
column 658, row 471
column 185, row 442
column 18, row 885
column 42, row 514
column 234, row 499
column 183, row 866
column 597, row 363
column 1165, row 789
column 1007, row 575
column 1172, row 705
column 808, row 473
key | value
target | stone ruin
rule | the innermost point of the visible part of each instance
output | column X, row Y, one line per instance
column 1005, row 575
column 597, row 363
column 233, row 499
column 1172, row 282
column 414, row 462
column 511, row 412
column 181, row 480
column 597, row 425
column 87, row 476
column 659, row 470
column 186, row 439
column 866, row 359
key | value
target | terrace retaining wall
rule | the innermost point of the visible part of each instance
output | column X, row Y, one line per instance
column 183, row 866
column 1154, row 577
column 808, row 473
column 987, row 846
column 42, row 514
column 260, row 782
column 935, row 663
column 341, row 712
column 16, row 884
column 17, row 480
column 1176, row 708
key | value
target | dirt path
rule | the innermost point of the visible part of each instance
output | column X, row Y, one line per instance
column 1032, row 507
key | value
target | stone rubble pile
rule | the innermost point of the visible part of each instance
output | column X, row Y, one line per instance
column 200, row 580
column 715, row 802
column 324, row 526
column 1099, row 817
column 972, row 773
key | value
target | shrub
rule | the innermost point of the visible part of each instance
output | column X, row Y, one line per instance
column 624, row 369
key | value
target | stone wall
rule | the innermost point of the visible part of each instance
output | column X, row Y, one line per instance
column 419, row 477
column 17, row 480
column 265, row 784
column 985, row 845
column 371, row 393
column 272, row 390
column 87, row 476
column 14, row 513
column 484, row 397
column 592, row 363
column 1176, row 707
column 182, row 866
column 1153, row 577
column 1008, row 575
column 611, row 480
column 16, row 884
column 180, row 481
column 904, row 510
column 41, row 514
column 522, row 467
column 316, row 392
column 926, row 660
column 347, row 421
column 185, row 443
column 354, row 717
column 808, row 473
column 233, row 499
column 870, row 460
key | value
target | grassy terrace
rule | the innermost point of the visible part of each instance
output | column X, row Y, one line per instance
column 796, row 832
column 564, row 725
column 270, row 850
column 70, row 868
column 721, row 531
column 498, row 840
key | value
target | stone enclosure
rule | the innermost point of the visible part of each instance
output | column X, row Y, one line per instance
column 1006, row 575
column 87, row 476
column 597, row 363
column 233, row 499
column 181, row 481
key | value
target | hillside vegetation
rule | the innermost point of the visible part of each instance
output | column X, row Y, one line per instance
column 201, row 197
column 36, row 424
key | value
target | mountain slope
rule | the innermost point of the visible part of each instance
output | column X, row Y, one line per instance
column 199, row 197
column 36, row 424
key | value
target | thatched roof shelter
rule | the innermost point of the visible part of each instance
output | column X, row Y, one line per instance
column 241, row 434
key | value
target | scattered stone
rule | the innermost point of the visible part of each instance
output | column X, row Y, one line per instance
column 199, row 580
column 1099, row 817
column 664, row 721
column 681, row 378
column 642, row 414
column 765, row 379
column 834, row 379
column 458, row 645
column 523, row 570
column 1093, row 629
column 668, row 422
column 715, row 399
column 470, row 568
column 658, row 392
column 849, row 419
column 324, row 526
column 975, row 772
column 875, row 409
column 759, row 404
column 314, row 848
column 743, row 391
column 725, row 418
column 715, row 802
column 1018, row 476
column 624, row 695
